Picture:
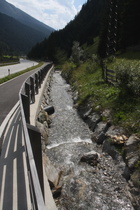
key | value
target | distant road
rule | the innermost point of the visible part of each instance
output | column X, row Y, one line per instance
column 24, row 64
column 9, row 92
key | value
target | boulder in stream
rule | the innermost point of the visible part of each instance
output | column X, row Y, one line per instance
column 91, row 158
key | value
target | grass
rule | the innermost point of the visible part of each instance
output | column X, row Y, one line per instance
column 8, row 59
column 87, row 79
column 11, row 76
column 128, row 58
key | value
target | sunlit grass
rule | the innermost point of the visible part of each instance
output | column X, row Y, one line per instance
column 87, row 80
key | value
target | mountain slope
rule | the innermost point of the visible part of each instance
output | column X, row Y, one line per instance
column 19, row 31
column 92, row 21
column 19, row 37
column 24, row 18
column 84, row 27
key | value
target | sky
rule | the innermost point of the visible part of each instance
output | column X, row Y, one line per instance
column 54, row 13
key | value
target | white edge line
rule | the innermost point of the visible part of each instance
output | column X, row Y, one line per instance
column 21, row 74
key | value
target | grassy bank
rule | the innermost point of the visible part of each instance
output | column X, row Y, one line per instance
column 11, row 76
column 123, row 100
column 8, row 59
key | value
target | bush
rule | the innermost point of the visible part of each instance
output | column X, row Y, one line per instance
column 128, row 78
column 77, row 55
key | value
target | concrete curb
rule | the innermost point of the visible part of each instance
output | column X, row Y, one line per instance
column 34, row 108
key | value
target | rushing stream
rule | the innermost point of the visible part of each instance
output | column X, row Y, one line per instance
column 84, row 187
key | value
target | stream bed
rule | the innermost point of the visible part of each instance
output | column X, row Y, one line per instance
column 96, row 186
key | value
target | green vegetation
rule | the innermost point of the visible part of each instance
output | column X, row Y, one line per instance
column 84, row 28
column 8, row 59
column 122, row 99
column 19, row 31
column 11, row 76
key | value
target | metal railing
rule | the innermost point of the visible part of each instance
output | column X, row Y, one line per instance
column 32, row 137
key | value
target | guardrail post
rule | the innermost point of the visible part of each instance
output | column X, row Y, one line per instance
column 27, row 90
column 32, row 90
column 35, row 139
column 36, row 83
column 39, row 78
column 41, row 73
column 26, row 107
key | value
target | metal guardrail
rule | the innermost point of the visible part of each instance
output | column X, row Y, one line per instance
column 33, row 137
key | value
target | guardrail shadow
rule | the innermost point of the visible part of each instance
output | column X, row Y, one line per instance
column 14, row 188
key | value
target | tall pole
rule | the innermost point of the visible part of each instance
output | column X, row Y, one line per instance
column 112, row 27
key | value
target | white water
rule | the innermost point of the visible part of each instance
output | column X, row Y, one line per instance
column 83, row 187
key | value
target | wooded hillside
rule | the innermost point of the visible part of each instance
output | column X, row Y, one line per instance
column 92, row 21
column 18, row 30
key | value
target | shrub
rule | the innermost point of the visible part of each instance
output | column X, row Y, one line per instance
column 128, row 78
column 77, row 55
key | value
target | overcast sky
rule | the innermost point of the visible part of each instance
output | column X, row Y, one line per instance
column 55, row 13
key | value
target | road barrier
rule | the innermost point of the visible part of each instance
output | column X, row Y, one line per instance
column 33, row 137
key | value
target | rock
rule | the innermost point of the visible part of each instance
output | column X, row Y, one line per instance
column 75, row 96
column 106, row 114
column 132, row 140
column 43, row 116
column 84, row 111
column 99, row 134
column 92, row 120
column 53, row 174
column 49, row 109
column 132, row 160
column 43, row 130
column 126, row 173
column 132, row 151
column 56, row 192
column 100, row 138
column 116, row 135
column 87, row 113
column 135, row 177
column 115, row 130
column 92, row 158
column 110, row 149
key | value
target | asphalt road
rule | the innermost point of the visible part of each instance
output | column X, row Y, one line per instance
column 4, row 70
column 9, row 92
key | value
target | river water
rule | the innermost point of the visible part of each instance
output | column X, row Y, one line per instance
column 84, row 187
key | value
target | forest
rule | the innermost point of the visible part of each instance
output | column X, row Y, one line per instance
column 91, row 22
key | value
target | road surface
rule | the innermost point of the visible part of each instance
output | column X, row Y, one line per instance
column 9, row 92
column 24, row 64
